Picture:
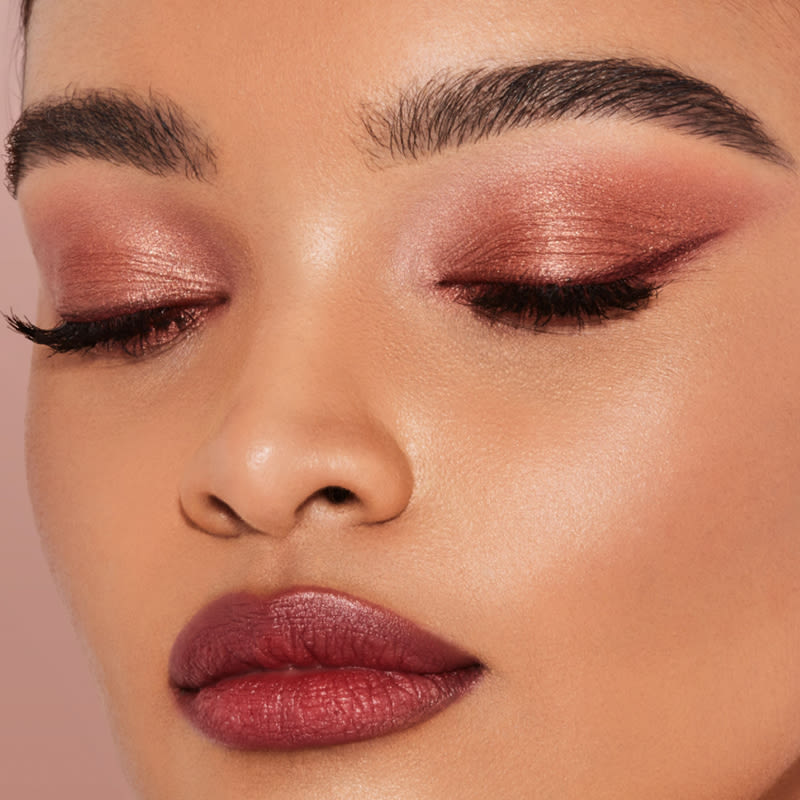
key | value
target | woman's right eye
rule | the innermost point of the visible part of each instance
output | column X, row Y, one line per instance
column 133, row 335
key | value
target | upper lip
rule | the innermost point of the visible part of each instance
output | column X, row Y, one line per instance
column 242, row 633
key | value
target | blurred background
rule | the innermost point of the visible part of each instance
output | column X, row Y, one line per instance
column 54, row 738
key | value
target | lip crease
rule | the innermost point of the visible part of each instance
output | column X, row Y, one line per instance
column 311, row 668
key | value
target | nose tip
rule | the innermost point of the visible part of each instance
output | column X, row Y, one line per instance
column 268, row 478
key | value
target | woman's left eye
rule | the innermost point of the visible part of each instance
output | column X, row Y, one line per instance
column 538, row 304
column 135, row 334
column 549, row 305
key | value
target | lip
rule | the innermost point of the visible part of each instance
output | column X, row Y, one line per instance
column 310, row 668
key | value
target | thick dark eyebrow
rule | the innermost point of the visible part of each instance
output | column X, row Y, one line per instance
column 453, row 109
column 151, row 133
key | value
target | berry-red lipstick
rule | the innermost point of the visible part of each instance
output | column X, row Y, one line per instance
column 311, row 668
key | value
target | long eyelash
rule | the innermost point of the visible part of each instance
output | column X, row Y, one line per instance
column 516, row 304
column 131, row 334
column 534, row 306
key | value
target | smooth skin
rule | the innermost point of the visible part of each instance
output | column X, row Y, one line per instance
column 608, row 520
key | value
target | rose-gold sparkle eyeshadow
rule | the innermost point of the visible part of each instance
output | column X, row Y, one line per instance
column 98, row 258
column 572, row 221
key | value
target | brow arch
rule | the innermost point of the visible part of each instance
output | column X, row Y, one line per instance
column 454, row 108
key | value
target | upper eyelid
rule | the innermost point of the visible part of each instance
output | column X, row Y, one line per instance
column 643, row 265
column 72, row 312
column 660, row 262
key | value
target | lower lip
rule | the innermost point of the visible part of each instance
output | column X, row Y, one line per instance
column 299, row 708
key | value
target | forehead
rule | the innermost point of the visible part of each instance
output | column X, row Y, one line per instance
column 415, row 34
column 287, row 77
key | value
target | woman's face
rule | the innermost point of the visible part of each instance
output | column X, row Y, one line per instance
column 380, row 372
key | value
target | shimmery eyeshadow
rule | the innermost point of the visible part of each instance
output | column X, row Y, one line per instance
column 570, row 219
column 98, row 258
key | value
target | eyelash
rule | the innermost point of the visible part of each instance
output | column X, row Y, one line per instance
column 517, row 305
column 552, row 305
column 136, row 334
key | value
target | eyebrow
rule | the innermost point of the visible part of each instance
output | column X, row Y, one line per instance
column 154, row 134
column 454, row 109
column 151, row 133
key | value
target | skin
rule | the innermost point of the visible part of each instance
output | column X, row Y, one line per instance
column 608, row 520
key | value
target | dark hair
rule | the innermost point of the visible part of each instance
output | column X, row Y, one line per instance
column 26, row 13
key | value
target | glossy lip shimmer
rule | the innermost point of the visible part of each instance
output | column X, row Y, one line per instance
column 310, row 668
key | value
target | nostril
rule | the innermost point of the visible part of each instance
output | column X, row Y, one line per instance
column 337, row 495
column 223, row 510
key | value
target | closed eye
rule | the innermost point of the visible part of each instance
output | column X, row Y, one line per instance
column 571, row 304
column 540, row 306
column 135, row 334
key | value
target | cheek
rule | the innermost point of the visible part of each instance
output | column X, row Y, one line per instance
column 106, row 447
column 104, row 466
column 104, row 473
column 671, row 444
column 636, row 513
column 95, row 492
column 95, row 476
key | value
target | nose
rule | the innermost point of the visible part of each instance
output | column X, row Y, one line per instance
column 284, row 452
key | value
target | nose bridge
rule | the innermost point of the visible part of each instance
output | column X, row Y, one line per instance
column 292, row 405
column 302, row 377
column 299, row 428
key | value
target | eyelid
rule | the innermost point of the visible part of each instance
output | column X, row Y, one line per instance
column 525, row 296
column 526, row 265
column 78, row 310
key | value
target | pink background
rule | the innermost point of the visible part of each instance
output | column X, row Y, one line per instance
column 54, row 738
